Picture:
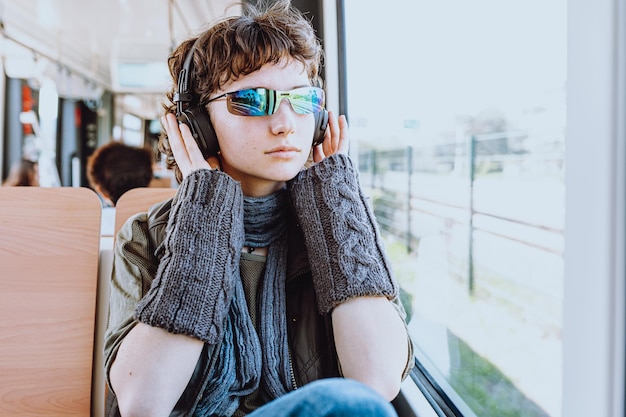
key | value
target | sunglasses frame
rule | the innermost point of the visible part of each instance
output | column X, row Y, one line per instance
column 271, row 100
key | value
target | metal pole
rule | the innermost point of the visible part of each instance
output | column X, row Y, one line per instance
column 374, row 167
column 472, row 177
column 408, row 199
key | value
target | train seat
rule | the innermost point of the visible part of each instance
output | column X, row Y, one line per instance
column 49, row 245
column 139, row 200
column 133, row 201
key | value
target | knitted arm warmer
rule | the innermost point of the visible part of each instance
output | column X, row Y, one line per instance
column 194, row 284
column 341, row 235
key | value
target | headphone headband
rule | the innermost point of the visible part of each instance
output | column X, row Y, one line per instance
column 183, row 91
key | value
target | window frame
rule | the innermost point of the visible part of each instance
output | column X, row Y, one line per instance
column 594, row 292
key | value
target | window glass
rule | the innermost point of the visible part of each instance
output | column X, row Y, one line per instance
column 457, row 118
column 131, row 132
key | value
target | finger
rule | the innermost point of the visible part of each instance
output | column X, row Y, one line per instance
column 334, row 132
column 318, row 153
column 184, row 147
column 344, row 136
column 325, row 146
column 194, row 154
column 327, row 143
column 176, row 143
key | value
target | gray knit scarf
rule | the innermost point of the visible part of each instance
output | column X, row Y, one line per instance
column 245, row 361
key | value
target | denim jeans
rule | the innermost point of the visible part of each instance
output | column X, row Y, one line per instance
column 332, row 397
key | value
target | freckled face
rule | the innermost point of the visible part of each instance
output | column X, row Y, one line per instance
column 262, row 152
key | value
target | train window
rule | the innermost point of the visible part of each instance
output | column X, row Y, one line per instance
column 457, row 116
column 131, row 130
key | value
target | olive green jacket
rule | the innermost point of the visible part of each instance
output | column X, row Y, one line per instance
column 136, row 257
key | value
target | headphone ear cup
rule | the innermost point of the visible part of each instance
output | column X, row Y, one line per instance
column 202, row 130
column 321, row 123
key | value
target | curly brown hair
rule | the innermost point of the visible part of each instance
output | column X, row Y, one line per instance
column 269, row 33
column 115, row 168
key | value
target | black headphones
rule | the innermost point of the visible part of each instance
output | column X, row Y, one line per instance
column 199, row 122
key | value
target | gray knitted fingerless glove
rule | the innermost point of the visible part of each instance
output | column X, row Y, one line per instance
column 192, row 290
column 343, row 242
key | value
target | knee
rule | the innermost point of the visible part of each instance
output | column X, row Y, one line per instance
column 349, row 397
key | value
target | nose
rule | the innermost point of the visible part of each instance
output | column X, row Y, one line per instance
column 283, row 119
column 281, row 99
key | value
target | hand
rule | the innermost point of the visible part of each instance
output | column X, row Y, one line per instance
column 184, row 147
column 336, row 139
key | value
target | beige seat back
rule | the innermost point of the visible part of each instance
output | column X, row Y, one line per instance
column 49, row 240
column 139, row 200
column 136, row 200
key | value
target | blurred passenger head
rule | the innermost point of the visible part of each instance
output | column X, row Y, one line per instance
column 272, row 33
column 23, row 173
column 115, row 168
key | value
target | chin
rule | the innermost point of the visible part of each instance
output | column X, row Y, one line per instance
column 285, row 177
column 286, row 172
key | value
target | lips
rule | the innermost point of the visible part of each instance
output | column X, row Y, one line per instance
column 283, row 150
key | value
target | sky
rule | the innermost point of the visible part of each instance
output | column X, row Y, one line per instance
column 432, row 60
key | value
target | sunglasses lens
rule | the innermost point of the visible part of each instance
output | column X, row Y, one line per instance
column 263, row 102
column 250, row 102
column 305, row 100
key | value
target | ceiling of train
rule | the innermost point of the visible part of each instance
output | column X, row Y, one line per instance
column 119, row 45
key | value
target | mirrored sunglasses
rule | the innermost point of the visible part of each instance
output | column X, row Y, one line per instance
column 264, row 102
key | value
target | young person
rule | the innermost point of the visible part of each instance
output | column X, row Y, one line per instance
column 262, row 288
column 116, row 167
column 113, row 169
column 23, row 173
